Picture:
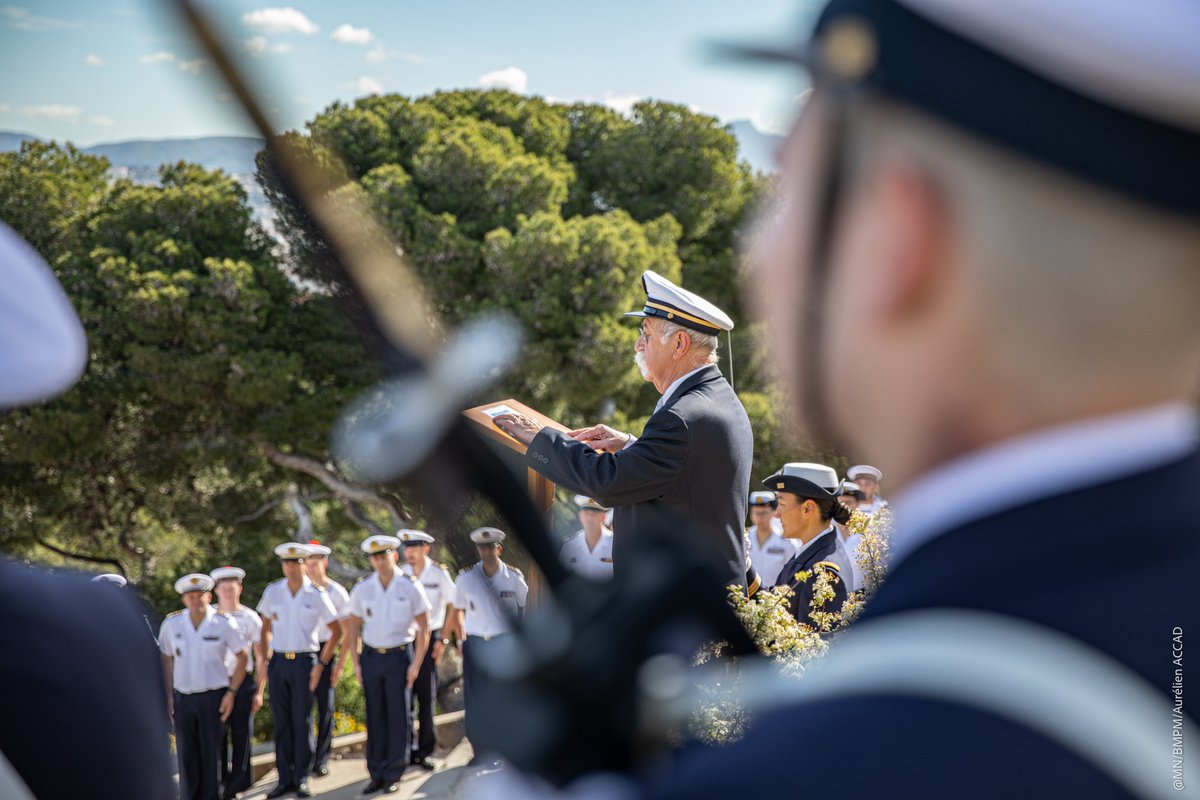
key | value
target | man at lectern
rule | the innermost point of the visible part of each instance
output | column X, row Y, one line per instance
column 692, row 460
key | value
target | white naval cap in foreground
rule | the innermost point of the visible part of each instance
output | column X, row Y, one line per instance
column 43, row 349
column 805, row 479
column 412, row 537
column 487, row 535
column 293, row 551
column 195, row 582
column 665, row 300
column 1065, row 83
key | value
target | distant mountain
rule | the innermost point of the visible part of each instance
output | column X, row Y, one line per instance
column 12, row 141
column 756, row 147
column 234, row 154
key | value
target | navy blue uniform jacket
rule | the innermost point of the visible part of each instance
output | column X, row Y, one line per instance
column 691, row 463
column 1101, row 564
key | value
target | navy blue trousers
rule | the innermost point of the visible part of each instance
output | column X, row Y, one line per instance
column 235, row 742
column 389, row 709
column 324, row 697
column 291, row 707
column 424, row 694
column 198, row 744
column 475, row 680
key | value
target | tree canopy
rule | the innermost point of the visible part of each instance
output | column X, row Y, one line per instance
column 219, row 359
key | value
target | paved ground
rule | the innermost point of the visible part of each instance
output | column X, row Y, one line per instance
column 348, row 776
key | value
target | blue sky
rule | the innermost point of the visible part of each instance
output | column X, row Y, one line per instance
column 102, row 70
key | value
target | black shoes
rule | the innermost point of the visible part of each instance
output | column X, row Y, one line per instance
column 391, row 788
column 425, row 762
column 321, row 770
column 303, row 791
column 373, row 786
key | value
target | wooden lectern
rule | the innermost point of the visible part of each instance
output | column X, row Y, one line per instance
column 541, row 488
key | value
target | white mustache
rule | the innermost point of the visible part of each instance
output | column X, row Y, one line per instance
column 639, row 358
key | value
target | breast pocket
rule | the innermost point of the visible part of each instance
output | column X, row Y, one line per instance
column 309, row 616
column 508, row 602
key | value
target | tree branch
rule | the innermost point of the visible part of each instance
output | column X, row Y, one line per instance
column 349, row 492
column 354, row 511
column 258, row 512
column 81, row 557
column 304, row 531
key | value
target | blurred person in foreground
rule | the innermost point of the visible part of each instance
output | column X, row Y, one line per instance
column 85, row 681
column 992, row 210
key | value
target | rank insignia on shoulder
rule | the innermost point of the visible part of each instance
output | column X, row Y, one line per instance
column 178, row 652
column 606, row 560
column 828, row 565
column 368, row 612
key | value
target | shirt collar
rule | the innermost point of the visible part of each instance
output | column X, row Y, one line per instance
column 806, row 545
column 1038, row 465
column 675, row 384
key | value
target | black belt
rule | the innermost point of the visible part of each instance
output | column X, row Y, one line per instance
column 295, row 655
column 383, row 651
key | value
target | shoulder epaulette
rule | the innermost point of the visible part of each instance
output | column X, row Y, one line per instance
column 514, row 569
column 828, row 565
column 363, row 578
column 176, row 613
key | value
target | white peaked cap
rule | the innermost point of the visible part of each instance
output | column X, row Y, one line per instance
column 196, row 582
column 665, row 300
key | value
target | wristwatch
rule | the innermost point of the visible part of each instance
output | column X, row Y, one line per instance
column 324, row 663
column 445, row 641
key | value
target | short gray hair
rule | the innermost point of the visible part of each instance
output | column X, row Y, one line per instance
column 705, row 342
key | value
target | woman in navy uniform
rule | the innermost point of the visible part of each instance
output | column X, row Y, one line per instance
column 808, row 508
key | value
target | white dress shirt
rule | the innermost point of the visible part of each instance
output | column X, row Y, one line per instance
column 490, row 602
column 249, row 626
column 1038, row 465
column 596, row 563
column 341, row 604
column 389, row 615
column 768, row 559
column 296, row 619
column 199, row 652
column 439, row 589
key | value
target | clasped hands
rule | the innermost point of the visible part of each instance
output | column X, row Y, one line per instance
column 597, row 437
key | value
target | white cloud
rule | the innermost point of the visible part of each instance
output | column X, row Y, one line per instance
column 52, row 111
column 512, row 78
column 256, row 45
column 21, row 19
column 279, row 20
column 157, row 58
column 621, row 103
column 259, row 46
column 379, row 54
column 5, row 108
column 102, row 121
column 93, row 60
column 369, row 85
column 348, row 34
column 193, row 67
column 770, row 124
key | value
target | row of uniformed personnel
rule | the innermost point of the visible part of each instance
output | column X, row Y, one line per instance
column 300, row 621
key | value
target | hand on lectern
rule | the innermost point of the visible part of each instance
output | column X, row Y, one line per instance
column 518, row 426
column 601, row 437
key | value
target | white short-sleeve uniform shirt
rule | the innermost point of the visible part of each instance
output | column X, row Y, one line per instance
column 439, row 588
column 341, row 604
column 199, row 651
column 296, row 619
column 389, row 615
column 769, row 558
column 249, row 625
column 597, row 563
column 490, row 602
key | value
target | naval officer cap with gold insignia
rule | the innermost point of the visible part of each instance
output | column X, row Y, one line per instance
column 380, row 543
column 1066, row 83
column 411, row 538
column 665, row 300
column 805, row 479
column 293, row 551
column 237, row 573
column 764, row 499
column 587, row 503
column 196, row 582
column 488, row 535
